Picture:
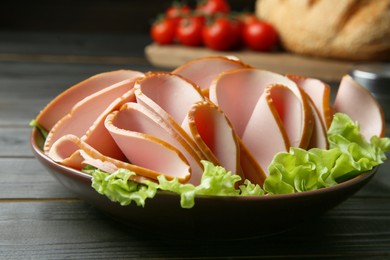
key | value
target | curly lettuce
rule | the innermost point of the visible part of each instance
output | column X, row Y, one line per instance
column 349, row 155
column 119, row 188
column 216, row 181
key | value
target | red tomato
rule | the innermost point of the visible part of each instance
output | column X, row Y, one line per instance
column 177, row 10
column 189, row 31
column 260, row 36
column 247, row 18
column 223, row 34
column 163, row 31
column 209, row 7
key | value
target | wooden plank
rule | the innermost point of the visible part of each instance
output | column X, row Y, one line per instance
column 73, row 44
column 15, row 142
column 171, row 56
column 59, row 230
column 26, row 179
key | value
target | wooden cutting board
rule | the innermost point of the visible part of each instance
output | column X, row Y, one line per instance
column 172, row 56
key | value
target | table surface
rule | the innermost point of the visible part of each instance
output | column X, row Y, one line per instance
column 40, row 219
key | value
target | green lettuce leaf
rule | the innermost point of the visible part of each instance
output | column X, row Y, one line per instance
column 250, row 189
column 216, row 181
column 349, row 155
column 186, row 191
column 119, row 188
column 43, row 131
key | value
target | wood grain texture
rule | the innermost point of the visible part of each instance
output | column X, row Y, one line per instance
column 71, row 43
column 14, row 142
column 58, row 230
column 26, row 179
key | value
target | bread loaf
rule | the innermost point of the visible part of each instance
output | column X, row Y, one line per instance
column 356, row 30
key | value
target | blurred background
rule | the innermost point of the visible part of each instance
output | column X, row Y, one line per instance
column 96, row 16
column 316, row 38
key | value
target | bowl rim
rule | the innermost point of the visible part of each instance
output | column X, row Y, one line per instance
column 322, row 191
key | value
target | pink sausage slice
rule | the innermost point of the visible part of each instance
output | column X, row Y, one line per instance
column 72, row 152
column 237, row 93
column 170, row 97
column 64, row 102
column 167, row 93
column 134, row 125
column 87, row 116
column 265, row 134
column 203, row 71
column 152, row 153
column 319, row 138
column 250, row 166
column 214, row 135
column 358, row 103
column 319, row 92
column 289, row 108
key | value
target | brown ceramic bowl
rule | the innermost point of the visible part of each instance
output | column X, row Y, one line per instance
column 212, row 216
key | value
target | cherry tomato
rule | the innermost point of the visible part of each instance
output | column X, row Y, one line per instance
column 247, row 18
column 223, row 34
column 260, row 36
column 176, row 11
column 189, row 31
column 163, row 31
column 210, row 7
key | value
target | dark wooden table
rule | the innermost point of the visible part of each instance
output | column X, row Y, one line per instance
column 40, row 219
